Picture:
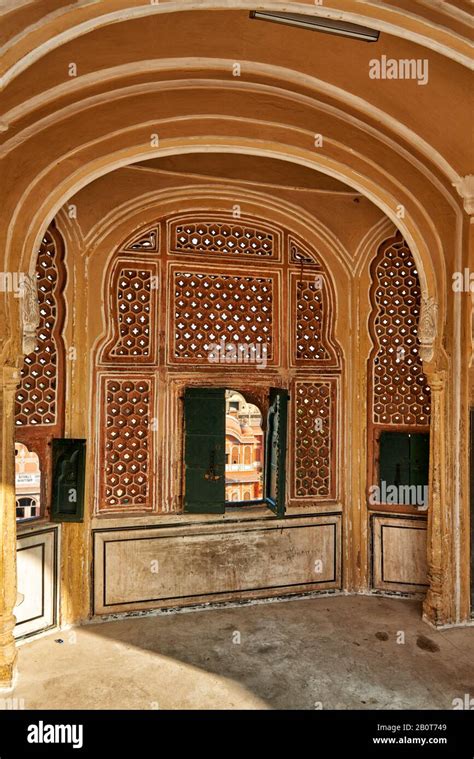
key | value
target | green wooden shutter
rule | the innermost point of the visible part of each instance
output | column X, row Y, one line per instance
column 394, row 461
column 419, row 458
column 204, row 450
column 404, row 459
column 275, row 454
column 69, row 458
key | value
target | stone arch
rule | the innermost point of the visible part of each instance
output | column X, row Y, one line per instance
column 128, row 221
column 297, row 87
column 82, row 20
column 409, row 228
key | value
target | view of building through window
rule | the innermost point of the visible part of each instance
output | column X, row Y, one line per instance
column 27, row 483
column 243, row 449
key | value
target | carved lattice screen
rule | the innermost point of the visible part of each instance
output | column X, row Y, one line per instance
column 210, row 308
column 401, row 393
column 36, row 398
column 211, row 298
column 311, row 326
column 132, row 308
column 315, row 416
column 220, row 237
column 127, row 442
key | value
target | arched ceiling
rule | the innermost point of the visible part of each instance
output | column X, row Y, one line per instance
column 170, row 50
column 31, row 28
column 141, row 69
column 252, row 169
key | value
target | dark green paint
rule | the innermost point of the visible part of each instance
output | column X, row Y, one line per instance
column 404, row 458
column 275, row 454
column 69, row 458
column 204, row 450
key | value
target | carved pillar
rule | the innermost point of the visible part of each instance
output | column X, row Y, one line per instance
column 437, row 604
column 8, row 589
column 436, row 607
column 23, row 304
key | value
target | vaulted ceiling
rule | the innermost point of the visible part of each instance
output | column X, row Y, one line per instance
column 88, row 85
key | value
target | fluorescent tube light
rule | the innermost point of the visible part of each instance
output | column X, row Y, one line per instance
column 319, row 24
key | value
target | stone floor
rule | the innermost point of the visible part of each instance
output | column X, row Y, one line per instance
column 331, row 653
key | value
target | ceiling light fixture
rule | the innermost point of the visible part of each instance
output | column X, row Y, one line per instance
column 319, row 24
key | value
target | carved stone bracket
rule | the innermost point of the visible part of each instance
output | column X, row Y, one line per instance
column 30, row 313
column 427, row 328
column 465, row 188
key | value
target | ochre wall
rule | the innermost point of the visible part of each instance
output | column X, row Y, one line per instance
column 404, row 148
column 345, row 230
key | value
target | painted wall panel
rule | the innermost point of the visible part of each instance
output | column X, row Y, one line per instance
column 399, row 554
column 170, row 566
column 37, row 569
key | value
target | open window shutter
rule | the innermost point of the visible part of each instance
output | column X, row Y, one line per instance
column 394, row 462
column 275, row 479
column 204, row 450
column 419, row 458
column 69, row 458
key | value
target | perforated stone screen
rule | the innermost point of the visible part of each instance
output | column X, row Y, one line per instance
column 310, row 306
column 127, row 443
column 314, row 438
column 401, row 394
column 210, row 308
column 36, row 398
column 133, row 313
column 222, row 237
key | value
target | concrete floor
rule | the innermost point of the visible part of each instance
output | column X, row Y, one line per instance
column 330, row 653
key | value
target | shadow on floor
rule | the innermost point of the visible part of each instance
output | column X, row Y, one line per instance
column 343, row 652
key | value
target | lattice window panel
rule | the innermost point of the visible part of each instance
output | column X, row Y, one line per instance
column 401, row 394
column 314, row 425
column 133, row 313
column 36, row 398
column 127, row 444
column 310, row 328
column 222, row 237
column 211, row 309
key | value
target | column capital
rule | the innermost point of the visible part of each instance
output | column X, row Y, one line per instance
column 428, row 328
column 437, row 379
column 465, row 188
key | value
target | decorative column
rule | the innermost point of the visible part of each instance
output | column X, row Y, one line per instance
column 437, row 604
column 8, row 590
column 22, row 309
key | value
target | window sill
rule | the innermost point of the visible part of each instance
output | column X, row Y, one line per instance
column 110, row 521
column 181, row 517
column 397, row 508
column 31, row 525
